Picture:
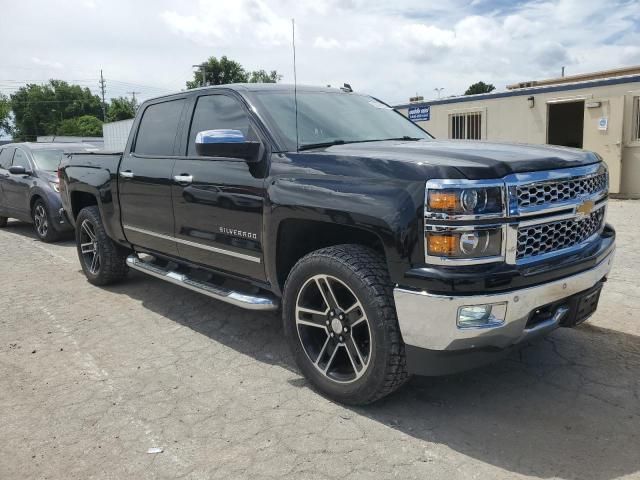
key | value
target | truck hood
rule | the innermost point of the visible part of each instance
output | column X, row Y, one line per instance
column 473, row 159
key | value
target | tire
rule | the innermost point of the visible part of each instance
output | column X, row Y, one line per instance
column 366, row 360
column 3, row 222
column 42, row 224
column 103, row 261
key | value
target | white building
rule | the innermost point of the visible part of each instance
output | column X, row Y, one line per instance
column 598, row 112
column 116, row 134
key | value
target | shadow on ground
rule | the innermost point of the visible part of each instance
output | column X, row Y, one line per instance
column 567, row 406
column 26, row 230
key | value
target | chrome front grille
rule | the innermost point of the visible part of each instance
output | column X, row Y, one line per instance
column 551, row 192
column 550, row 237
column 546, row 213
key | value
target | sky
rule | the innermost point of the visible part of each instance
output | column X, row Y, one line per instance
column 393, row 50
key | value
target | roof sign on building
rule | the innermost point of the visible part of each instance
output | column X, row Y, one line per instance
column 420, row 114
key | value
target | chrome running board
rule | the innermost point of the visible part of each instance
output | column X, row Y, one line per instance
column 243, row 300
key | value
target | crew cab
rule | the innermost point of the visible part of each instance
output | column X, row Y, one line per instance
column 389, row 252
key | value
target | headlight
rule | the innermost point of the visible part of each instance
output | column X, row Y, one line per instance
column 461, row 244
column 465, row 201
column 55, row 186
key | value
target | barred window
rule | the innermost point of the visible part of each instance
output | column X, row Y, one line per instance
column 635, row 134
column 465, row 126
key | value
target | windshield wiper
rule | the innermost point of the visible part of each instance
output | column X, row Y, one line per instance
column 309, row 146
column 406, row 137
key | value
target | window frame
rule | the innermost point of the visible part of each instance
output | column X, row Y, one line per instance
column 192, row 114
column 29, row 165
column 466, row 114
column 179, row 128
column 635, row 120
column 10, row 158
column 262, row 134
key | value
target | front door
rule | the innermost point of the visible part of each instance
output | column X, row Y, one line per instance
column 218, row 202
column 603, row 134
column 145, row 179
column 16, row 187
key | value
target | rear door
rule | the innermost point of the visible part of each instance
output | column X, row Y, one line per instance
column 6, row 155
column 145, row 178
column 16, row 187
column 218, row 213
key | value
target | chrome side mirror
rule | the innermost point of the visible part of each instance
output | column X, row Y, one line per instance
column 226, row 143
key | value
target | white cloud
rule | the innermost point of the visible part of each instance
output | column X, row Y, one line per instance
column 219, row 25
column 328, row 43
column 390, row 49
column 47, row 63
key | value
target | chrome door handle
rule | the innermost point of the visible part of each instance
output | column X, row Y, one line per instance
column 127, row 174
column 183, row 179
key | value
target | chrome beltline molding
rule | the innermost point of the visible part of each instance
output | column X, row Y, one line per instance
column 222, row 251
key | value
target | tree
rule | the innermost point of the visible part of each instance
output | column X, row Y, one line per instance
column 121, row 108
column 218, row 72
column 479, row 87
column 260, row 76
column 225, row 70
column 41, row 109
column 5, row 114
column 84, row 126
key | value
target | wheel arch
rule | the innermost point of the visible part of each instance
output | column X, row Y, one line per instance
column 80, row 199
column 298, row 237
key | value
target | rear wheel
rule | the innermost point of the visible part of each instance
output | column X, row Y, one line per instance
column 340, row 320
column 42, row 222
column 103, row 262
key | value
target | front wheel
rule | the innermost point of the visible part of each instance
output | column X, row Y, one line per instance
column 340, row 321
column 42, row 222
column 103, row 262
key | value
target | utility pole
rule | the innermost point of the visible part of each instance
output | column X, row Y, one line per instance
column 203, row 68
column 133, row 95
column 103, row 85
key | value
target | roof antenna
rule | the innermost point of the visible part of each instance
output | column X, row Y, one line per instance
column 295, row 79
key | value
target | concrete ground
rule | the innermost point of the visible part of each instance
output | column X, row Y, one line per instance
column 91, row 378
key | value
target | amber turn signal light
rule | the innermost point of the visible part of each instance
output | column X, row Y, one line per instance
column 438, row 244
column 443, row 201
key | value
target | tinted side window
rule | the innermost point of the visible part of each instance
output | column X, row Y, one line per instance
column 159, row 128
column 20, row 159
column 215, row 112
column 5, row 157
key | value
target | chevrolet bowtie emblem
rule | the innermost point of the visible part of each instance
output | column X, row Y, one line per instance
column 585, row 208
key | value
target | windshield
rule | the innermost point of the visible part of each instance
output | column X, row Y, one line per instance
column 333, row 117
column 47, row 160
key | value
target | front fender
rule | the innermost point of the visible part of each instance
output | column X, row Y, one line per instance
column 392, row 210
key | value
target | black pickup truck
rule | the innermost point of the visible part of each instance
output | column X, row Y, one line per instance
column 388, row 251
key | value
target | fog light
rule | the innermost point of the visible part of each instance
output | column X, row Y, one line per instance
column 479, row 316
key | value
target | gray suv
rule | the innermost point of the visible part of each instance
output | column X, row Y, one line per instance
column 29, row 186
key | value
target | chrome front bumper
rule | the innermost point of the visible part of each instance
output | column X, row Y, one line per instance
column 429, row 321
